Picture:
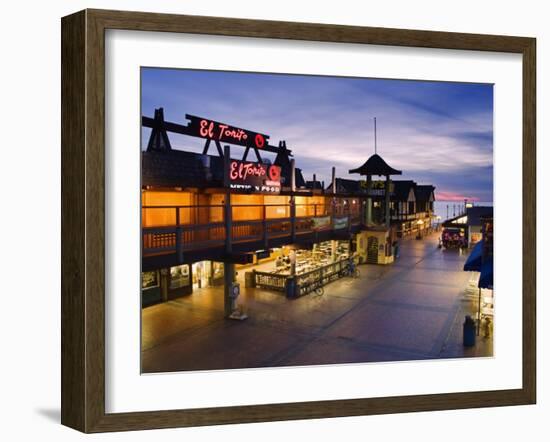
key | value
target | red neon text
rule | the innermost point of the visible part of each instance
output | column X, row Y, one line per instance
column 240, row 171
column 207, row 129
column 219, row 131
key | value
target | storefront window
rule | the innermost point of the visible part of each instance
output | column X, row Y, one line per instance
column 149, row 279
column 179, row 276
column 217, row 270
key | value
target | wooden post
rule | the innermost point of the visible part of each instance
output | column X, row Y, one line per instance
column 227, row 202
column 179, row 246
column 264, row 228
column 349, row 215
column 387, row 202
column 292, row 175
column 228, row 267
column 292, row 200
column 164, row 283
column 369, row 200
column 292, row 218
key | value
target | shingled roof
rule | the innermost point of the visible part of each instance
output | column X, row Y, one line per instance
column 423, row 192
column 476, row 213
column 375, row 165
column 176, row 168
column 401, row 189
column 344, row 185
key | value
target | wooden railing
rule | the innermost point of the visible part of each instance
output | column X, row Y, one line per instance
column 270, row 281
column 409, row 216
column 306, row 282
column 184, row 228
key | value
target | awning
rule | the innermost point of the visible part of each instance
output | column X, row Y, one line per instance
column 473, row 263
column 486, row 275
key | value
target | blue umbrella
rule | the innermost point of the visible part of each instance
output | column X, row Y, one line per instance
column 486, row 275
column 473, row 263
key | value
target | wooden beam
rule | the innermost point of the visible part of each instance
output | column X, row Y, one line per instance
column 184, row 130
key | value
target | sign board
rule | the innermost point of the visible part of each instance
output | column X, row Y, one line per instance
column 214, row 130
column 254, row 177
column 340, row 222
column 378, row 187
column 320, row 222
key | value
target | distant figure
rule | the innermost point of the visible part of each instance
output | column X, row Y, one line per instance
column 395, row 246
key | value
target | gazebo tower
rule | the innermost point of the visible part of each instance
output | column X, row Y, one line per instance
column 375, row 165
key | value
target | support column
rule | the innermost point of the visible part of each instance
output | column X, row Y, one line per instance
column 292, row 175
column 387, row 217
column 333, row 245
column 264, row 228
column 292, row 202
column 179, row 245
column 369, row 201
column 228, row 267
column 164, row 283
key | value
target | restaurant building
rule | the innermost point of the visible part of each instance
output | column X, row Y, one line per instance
column 205, row 215
column 411, row 204
column 466, row 229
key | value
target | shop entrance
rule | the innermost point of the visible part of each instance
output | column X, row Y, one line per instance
column 207, row 274
column 372, row 250
column 200, row 273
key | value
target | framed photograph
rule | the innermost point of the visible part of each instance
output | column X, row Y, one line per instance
column 267, row 221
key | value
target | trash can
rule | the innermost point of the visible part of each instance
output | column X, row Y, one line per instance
column 469, row 332
column 290, row 287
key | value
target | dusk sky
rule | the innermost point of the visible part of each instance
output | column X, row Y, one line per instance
column 435, row 132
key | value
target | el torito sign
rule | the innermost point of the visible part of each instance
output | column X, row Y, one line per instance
column 214, row 130
column 243, row 175
column 255, row 177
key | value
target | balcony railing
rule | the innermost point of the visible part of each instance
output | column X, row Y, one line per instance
column 176, row 229
column 409, row 216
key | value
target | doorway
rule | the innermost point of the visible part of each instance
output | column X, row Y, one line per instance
column 201, row 274
column 372, row 250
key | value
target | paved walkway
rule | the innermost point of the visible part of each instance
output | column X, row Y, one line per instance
column 410, row 310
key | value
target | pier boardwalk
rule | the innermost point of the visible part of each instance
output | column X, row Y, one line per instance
column 410, row 310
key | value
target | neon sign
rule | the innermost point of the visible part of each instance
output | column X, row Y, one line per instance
column 254, row 177
column 214, row 130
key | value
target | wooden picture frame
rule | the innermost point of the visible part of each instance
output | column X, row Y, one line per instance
column 83, row 216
